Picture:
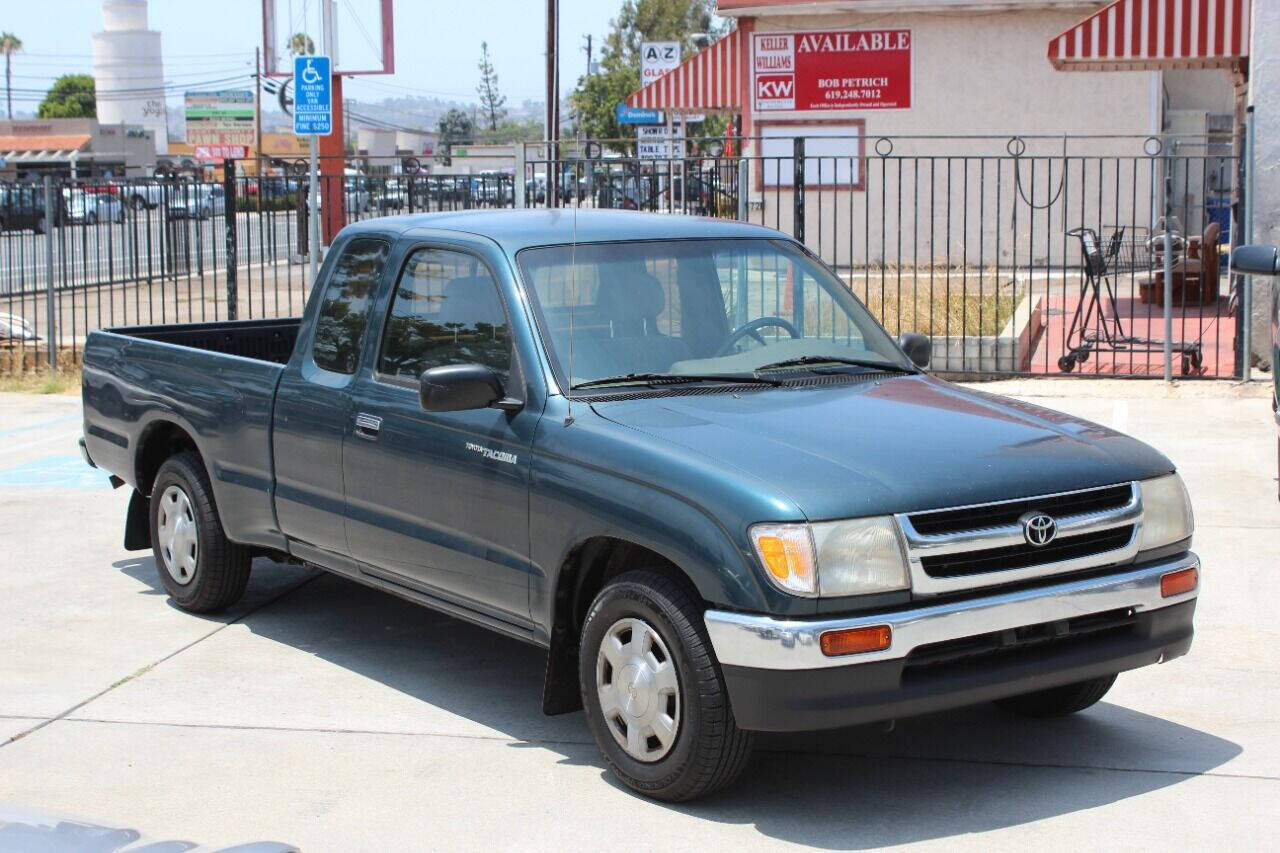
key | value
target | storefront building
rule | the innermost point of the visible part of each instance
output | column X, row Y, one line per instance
column 74, row 147
column 863, row 81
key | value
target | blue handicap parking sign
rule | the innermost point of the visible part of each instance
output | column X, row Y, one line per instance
column 312, row 96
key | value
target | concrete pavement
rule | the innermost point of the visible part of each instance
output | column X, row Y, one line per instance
column 337, row 718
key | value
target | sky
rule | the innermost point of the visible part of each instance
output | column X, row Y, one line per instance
column 437, row 43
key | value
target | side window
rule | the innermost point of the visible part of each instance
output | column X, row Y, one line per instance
column 446, row 311
column 344, row 311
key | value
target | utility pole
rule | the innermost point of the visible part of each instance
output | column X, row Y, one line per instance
column 553, row 101
column 588, row 50
column 257, row 115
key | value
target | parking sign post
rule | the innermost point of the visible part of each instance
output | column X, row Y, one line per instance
column 313, row 117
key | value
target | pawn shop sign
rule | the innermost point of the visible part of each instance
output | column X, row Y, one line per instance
column 312, row 96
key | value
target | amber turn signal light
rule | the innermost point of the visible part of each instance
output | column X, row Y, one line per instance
column 854, row 641
column 1176, row 583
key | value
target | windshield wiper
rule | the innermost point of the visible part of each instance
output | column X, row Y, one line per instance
column 676, row 379
column 800, row 361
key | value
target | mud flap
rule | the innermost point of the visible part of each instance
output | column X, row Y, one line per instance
column 137, row 523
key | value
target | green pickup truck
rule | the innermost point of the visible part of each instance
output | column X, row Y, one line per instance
column 676, row 453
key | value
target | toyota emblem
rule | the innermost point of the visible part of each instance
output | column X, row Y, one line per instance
column 1038, row 528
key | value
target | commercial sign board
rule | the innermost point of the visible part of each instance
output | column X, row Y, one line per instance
column 312, row 96
column 831, row 70
column 652, row 142
column 657, row 58
column 223, row 117
column 637, row 115
column 218, row 153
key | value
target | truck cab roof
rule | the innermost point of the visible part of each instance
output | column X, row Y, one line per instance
column 514, row 230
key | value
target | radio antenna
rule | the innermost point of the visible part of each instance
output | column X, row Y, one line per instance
column 573, row 285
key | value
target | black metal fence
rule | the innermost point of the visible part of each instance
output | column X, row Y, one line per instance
column 1016, row 255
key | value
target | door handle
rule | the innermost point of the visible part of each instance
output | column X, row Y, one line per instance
column 367, row 426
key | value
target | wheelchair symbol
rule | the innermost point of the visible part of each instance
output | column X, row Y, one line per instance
column 310, row 75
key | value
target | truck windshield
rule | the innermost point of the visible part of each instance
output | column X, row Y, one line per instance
column 708, row 307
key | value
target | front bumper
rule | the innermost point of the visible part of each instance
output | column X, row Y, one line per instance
column 951, row 654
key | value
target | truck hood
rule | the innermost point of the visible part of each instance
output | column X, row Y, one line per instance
column 885, row 445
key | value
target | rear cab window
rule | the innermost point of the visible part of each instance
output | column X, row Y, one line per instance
column 345, row 303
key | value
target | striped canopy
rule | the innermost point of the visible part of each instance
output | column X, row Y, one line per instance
column 708, row 80
column 1135, row 35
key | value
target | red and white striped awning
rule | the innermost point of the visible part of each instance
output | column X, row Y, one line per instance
column 708, row 80
column 1136, row 35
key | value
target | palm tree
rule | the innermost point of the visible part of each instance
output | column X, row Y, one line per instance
column 300, row 44
column 9, row 44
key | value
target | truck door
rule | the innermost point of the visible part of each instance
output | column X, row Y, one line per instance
column 312, row 412
column 439, row 500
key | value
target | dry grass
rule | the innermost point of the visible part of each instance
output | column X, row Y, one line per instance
column 939, row 314
column 42, row 382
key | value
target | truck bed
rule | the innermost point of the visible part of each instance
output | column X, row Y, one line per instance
column 265, row 340
column 215, row 382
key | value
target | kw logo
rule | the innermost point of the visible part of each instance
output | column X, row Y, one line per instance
column 490, row 453
column 775, row 86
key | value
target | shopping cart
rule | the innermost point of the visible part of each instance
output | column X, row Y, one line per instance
column 1093, row 327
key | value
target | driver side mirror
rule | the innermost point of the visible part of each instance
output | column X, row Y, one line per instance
column 1256, row 260
column 460, row 387
column 918, row 347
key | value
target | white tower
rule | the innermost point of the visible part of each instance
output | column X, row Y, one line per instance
column 128, row 70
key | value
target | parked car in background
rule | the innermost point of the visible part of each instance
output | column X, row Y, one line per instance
column 145, row 196
column 15, row 328
column 198, row 201
column 706, row 480
column 90, row 208
column 535, row 189
column 355, row 192
column 22, row 208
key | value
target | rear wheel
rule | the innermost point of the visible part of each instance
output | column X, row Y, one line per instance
column 1059, row 701
column 202, row 570
column 139, row 203
column 655, row 698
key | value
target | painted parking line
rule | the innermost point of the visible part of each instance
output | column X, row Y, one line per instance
column 5, row 433
column 62, row 472
column 68, row 437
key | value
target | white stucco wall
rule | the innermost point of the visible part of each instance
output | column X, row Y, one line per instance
column 963, row 201
column 1264, row 80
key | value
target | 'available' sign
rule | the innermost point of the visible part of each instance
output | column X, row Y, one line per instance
column 832, row 70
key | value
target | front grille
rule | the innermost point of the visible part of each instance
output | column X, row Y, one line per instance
column 996, row 515
column 964, row 563
column 1026, row 643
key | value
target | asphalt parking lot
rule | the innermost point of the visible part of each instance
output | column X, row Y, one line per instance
column 334, row 717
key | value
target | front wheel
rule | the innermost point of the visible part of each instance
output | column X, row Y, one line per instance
column 1059, row 701
column 655, row 698
column 201, row 570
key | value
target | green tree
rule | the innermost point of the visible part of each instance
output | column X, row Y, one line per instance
column 524, row 130
column 492, row 103
column 597, row 96
column 300, row 44
column 70, row 96
column 9, row 45
column 454, row 127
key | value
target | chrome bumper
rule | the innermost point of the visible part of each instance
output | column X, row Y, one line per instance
column 764, row 642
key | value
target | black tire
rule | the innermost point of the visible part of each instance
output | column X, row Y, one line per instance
column 139, row 203
column 221, row 569
column 91, row 218
column 1066, row 364
column 709, row 751
column 1059, row 701
column 38, row 228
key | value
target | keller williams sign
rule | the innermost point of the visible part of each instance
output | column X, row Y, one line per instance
column 832, row 70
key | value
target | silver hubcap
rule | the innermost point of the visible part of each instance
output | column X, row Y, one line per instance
column 638, row 689
column 179, row 541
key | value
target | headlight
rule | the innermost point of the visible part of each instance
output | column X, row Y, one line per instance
column 1166, row 512
column 832, row 558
